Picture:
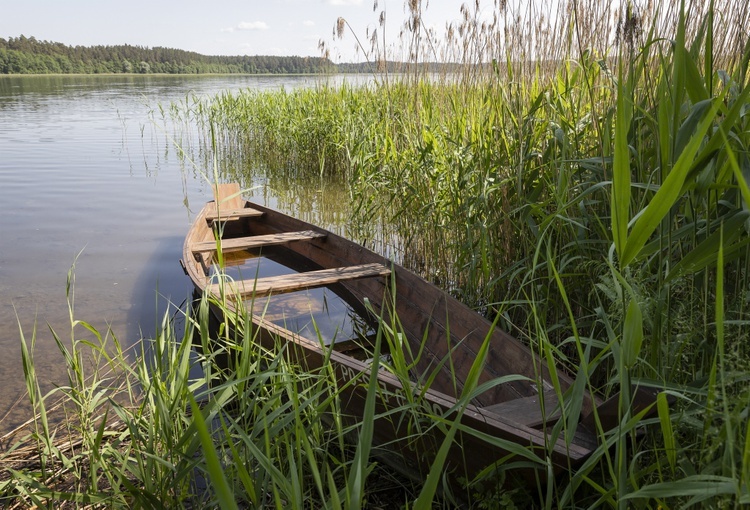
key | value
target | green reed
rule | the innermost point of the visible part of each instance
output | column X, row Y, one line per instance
column 595, row 202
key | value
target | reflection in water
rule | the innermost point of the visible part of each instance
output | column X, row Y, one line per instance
column 316, row 314
column 309, row 313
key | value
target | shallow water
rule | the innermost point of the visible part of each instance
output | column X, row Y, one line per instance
column 89, row 177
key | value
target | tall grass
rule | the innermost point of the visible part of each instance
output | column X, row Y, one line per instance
column 254, row 427
column 583, row 175
column 250, row 429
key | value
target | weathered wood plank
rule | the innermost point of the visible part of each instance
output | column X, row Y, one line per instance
column 246, row 243
column 608, row 411
column 528, row 410
column 298, row 281
column 233, row 214
column 227, row 196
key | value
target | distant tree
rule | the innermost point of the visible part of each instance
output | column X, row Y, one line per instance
column 28, row 55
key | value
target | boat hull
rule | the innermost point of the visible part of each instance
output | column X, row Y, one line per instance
column 450, row 337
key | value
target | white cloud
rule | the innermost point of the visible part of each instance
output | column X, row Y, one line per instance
column 230, row 29
column 252, row 25
column 308, row 23
column 344, row 2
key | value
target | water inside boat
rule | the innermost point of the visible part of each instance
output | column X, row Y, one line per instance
column 319, row 314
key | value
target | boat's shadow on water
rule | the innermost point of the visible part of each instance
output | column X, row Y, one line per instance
column 161, row 292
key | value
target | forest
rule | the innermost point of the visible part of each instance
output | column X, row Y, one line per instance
column 27, row 55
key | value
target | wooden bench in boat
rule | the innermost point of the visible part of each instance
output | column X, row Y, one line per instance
column 233, row 214
column 246, row 243
column 528, row 410
column 298, row 281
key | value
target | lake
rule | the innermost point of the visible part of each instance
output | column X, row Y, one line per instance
column 90, row 176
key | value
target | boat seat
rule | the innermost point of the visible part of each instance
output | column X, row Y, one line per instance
column 528, row 410
column 246, row 243
column 233, row 214
column 298, row 281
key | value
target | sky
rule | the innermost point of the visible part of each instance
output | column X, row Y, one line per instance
column 215, row 27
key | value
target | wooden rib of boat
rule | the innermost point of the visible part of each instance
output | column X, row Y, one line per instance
column 291, row 271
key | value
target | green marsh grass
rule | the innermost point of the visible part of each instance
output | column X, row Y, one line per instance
column 252, row 429
column 594, row 201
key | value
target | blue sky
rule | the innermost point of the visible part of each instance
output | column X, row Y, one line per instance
column 214, row 27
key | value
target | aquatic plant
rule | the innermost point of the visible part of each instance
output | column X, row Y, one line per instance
column 172, row 426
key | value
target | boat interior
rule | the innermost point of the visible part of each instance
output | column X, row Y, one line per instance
column 290, row 291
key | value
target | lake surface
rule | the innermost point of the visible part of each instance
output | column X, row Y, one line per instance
column 90, row 176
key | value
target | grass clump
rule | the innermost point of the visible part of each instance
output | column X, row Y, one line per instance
column 171, row 426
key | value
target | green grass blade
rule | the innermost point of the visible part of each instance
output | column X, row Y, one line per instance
column 708, row 54
column 632, row 334
column 738, row 173
column 703, row 486
column 669, row 193
column 667, row 431
column 427, row 495
column 706, row 253
column 359, row 468
column 213, row 465
column 620, row 196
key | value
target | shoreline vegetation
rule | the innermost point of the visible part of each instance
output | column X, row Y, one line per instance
column 597, row 208
column 28, row 56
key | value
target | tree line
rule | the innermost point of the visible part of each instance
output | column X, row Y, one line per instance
column 27, row 55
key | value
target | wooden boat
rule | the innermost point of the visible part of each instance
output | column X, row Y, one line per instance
column 279, row 263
